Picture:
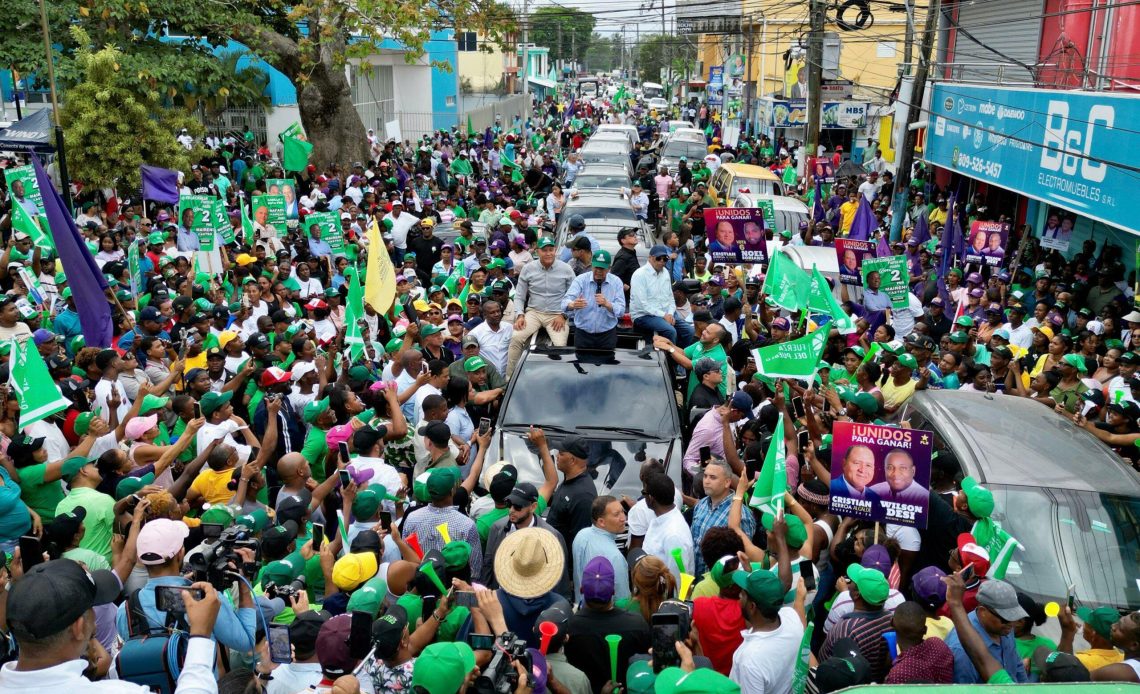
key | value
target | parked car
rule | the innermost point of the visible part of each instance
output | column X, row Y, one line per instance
column 628, row 130
column 622, row 402
column 657, row 103
column 732, row 179
column 1072, row 504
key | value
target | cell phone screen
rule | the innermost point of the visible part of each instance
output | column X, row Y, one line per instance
column 386, row 520
column 798, row 407
column 484, row 426
column 803, row 438
column 465, row 598
column 172, row 598
column 345, row 478
column 360, row 635
column 280, row 650
column 481, row 642
column 197, row 410
column 31, row 553
column 343, row 448
column 318, row 536
column 665, row 630
column 430, row 602
column 705, row 453
column 807, row 573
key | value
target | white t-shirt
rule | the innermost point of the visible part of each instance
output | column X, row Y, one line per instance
column 669, row 532
column 764, row 661
column 382, row 473
column 909, row 539
column 223, row 431
column 493, row 346
column 54, row 441
column 103, row 395
column 418, row 402
column 639, row 517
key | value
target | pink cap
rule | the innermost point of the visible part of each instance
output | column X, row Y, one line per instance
column 159, row 540
column 339, row 434
column 139, row 426
column 455, row 316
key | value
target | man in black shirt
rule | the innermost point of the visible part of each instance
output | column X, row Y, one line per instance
column 426, row 246
column 709, row 377
column 586, row 646
column 625, row 260
column 936, row 321
column 570, row 507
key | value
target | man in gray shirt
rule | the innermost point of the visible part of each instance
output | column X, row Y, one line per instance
column 538, row 299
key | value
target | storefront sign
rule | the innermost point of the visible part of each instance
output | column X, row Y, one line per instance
column 1063, row 148
column 835, row 114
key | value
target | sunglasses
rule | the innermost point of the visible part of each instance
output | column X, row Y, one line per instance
column 518, row 507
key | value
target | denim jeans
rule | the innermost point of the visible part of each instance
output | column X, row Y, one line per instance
column 680, row 333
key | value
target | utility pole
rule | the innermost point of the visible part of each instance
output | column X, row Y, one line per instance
column 816, row 11
column 526, row 48
column 908, row 46
column 906, row 152
column 560, row 39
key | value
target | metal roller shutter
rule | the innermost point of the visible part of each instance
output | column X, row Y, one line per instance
column 1012, row 27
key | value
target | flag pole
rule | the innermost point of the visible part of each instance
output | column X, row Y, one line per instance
column 64, row 180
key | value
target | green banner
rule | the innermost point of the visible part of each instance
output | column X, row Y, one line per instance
column 287, row 188
column 769, row 209
column 294, row 130
column 768, row 493
column 330, row 230
column 222, row 221
column 795, row 359
column 786, row 284
column 26, row 175
column 134, row 267
column 893, row 277
column 203, row 225
column 800, row 674
column 275, row 207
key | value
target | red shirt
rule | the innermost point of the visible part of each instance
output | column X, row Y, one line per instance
column 718, row 622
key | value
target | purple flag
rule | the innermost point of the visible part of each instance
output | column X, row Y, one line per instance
column 949, row 243
column 921, row 232
column 818, row 214
column 158, row 184
column 882, row 249
column 86, row 282
column 864, row 223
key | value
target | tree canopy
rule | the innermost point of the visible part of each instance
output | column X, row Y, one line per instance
column 566, row 31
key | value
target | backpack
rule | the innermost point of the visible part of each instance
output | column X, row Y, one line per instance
column 151, row 656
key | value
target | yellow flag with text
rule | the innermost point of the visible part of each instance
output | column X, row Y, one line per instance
column 380, row 282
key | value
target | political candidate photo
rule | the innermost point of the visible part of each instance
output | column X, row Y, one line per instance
column 881, row 473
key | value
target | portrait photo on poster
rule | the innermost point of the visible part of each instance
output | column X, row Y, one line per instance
column 1057, row 233
column 850, row 254
column 881, row 473
column 986, row 244
column 736, row 235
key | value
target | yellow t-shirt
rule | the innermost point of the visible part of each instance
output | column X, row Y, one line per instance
column 846, row 216
column 1095, row 658
column 894, row 396
column 214, row 485
column 938, row 627
column 937, row 216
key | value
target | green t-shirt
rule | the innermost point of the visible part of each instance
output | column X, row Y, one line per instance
column 697, row 351
column 1026, row 647
column 42, row 497
column 1000, row 677
column 99, row 522
column 676, row 213
column 315, row 449
column 92, row 560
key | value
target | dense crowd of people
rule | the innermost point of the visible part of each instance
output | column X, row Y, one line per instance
column 237, row 497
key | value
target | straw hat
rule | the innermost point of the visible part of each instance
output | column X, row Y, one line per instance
column 529, row 562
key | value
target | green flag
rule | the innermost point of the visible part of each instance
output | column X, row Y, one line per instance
column 786, row 284
column 22, row 221
column 247, row 230
column 297, row 154
column 353, row 312
column 800, row 674
column 768, row 494
column 135, row 268
column 470, row 129
column 821, row 300
column 456, row 282
column 37, row 394
column 997, row 542
column 795, row 359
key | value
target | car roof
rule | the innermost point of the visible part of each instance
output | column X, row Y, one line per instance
column 596, row 198
column 1019, row 442
column 750, row 171
column 606, row 146
column 601, row 168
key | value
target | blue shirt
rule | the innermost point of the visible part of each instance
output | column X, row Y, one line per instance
column 319, row 247
column 1005, row 651
column 234, row 628
column 706, row 516
column 594, row 318
column 565, row 254
column 591, row 542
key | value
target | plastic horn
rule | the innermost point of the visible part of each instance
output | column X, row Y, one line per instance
column 892, row 644
column 686, row 584
column 413, row 541
column 548, row 630
column 442, row 528
column 679, row 559
column 613, row 640
column 429, row 571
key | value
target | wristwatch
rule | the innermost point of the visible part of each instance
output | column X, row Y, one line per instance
column 842, row 412
column 672, row 349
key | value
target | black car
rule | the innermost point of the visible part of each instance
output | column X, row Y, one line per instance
column 622, row 402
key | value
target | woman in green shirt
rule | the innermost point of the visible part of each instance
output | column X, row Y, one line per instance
column 39, row 479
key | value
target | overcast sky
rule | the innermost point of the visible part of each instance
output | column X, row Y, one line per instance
column 610, row 15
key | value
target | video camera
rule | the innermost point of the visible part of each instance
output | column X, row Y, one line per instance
column 285, row 592
column 218, row 558
column 500, row 676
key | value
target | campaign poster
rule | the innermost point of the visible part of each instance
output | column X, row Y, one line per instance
column 851, row 254
column 891, row 275
column 880, row 473
column 26, row 175
column 203, row 223
column 736, row 235
column 986, row 243
column 270, row 209
column 221, row 218
column 1058, row 231
column 329, row 229
column 287, row 188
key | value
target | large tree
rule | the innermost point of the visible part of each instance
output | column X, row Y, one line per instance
column 310, row 41
column 657, row 52
column 566, row 31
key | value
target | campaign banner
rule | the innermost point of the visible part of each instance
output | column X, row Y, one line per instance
column 797, row 358
column 203, row 223
column 1058, row 231
column 851, row 253
column 986, row 244
column 328, row 229
column 287, row 188
column 270, row 209
column 892, row 277
column 736, row 235
column 880, row 473
column 26, row 175
column 221, row 219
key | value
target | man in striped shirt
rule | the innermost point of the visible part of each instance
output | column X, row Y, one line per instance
column 868, row 622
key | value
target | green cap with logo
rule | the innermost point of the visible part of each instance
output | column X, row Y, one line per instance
column 315, row 409
column 639, row 678
column 366, row 504
column 545, row 242
column 872, row 584
column 602, row 259
column 674, row 680
column 256, row 520
column 213, row 401
column 474, row 363
column 797, row 533
column 763, row 587
column 152, row 402
column 1099, row 620
column 908, row 361
column 369, row 597
column 978, row 498
column 131, row 485
column 219, row 515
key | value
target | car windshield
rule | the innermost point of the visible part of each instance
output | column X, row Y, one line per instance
column 591, row 212
column 604, row 157
column 684, row 148
column 579, row 392
column 751, row 185
column 1087, row 539
column 601, row 181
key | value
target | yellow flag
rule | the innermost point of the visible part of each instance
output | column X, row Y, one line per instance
column 380, row 284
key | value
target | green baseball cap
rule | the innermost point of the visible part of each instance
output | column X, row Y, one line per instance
column 797, row 533
column 369, row 597
column 442, row 667
column 602, row 259
column 965, row 322
column 256, row 520
column 394, row 345
column 872, row 584
column 763, row 587
column 72, row 466
column 474, row 363
column 639, row 678
column 212, row 401
column 864, row 401
column 545, row 242
column 428, row 330
column 720, row 573
column 1099, row 620
column 674, row 680
column 1076, row 361
column 131, row 485
column 156, row 238
column 315, row 409
column 978, row 498
column 281, row 572
column 442, row 482
column 83, row 423
column 366, row 504
column 413, row 605
column 908, row 361
column 152, row 402
column 217, row 514
column 456, row 554
column 959, row 337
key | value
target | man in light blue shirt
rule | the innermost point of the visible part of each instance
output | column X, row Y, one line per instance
column 596, row 301
column 600, row 540
column 576, row 226
column 187, row 240
column 160, row 550
column 651, row 303
column 998, row 610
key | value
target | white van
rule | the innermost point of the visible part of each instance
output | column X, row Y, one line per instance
column 630, row 131
column 789, row 211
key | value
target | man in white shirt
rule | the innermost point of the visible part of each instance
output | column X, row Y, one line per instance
column 651, row 303
column 434, row 386
column 222, row 423
column 870, row 187
column 110, row 363
column 305, row 670
column 668, row 531
column 639, row 202
column 493, row 336
column 402, row 223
